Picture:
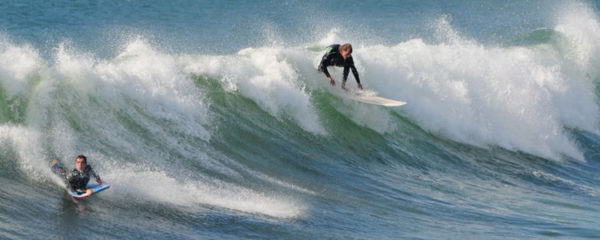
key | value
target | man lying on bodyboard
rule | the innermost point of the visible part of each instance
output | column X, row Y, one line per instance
column 77, row 180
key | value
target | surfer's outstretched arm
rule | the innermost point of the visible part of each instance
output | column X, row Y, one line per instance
column 355, row 73
column 323, row 69
column 96, row 176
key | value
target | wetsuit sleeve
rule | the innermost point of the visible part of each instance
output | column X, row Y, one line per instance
column 96, row 176
column 325, row 61
column 323, row 68
column 323, row 64
column 347, row 68
column 355, row 73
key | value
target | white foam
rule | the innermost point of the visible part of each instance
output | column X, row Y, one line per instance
column 142, row 84
column 266, row 76
column 25, row 144
column 578, row 22
column 152, row 80
column 330, row 38
column 17, row 65
column 145, row 185
column 517, row 98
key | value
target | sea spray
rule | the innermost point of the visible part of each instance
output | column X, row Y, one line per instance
column 516, row 97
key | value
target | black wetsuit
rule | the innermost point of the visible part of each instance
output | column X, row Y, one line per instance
column 78, row 180
column 333, row 57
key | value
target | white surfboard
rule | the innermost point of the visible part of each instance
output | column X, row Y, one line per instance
column 369, row 97
column 378, row 100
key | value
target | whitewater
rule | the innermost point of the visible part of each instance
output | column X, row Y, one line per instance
column 210, row 120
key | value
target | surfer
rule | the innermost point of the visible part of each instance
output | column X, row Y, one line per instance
column 339, row 56
column 79, row 177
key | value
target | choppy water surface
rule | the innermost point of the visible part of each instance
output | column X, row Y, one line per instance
column 210, row 120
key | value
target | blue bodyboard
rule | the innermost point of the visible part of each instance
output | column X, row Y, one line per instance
column 95, row 189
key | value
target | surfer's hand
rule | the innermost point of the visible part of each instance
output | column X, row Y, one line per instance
column 331, row 81
column 360, row 86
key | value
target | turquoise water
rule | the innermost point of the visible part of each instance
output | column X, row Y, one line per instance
column 210, row 121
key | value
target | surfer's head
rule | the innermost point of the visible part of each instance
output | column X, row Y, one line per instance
column 346, row 50
column 80, row 162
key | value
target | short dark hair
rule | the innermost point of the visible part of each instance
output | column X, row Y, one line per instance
column 346, row 46
column 82, row 157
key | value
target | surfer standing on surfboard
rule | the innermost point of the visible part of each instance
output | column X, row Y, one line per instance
column 339, row 56
column 79, row 177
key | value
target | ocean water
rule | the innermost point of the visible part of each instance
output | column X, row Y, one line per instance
column 210, row 121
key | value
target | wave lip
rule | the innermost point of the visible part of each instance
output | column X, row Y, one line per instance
column 266, row 76
column 517, row 98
